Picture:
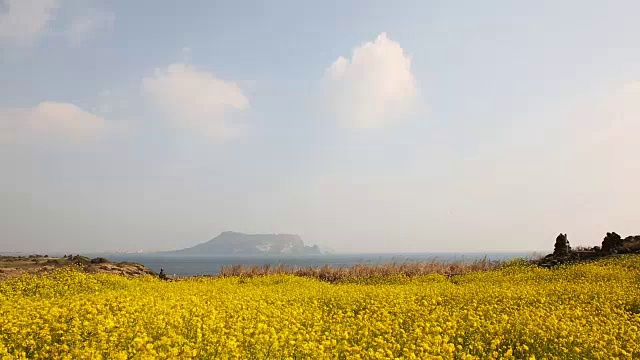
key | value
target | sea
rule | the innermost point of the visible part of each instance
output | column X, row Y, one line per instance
column 192, row 265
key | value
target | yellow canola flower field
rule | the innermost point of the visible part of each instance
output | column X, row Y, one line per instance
column 585, row 311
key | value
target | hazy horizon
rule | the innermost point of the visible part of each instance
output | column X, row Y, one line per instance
column 365, row 126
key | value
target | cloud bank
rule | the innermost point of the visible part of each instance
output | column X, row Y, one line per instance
column 374, row 88
column 196, row 99
column 50, row 119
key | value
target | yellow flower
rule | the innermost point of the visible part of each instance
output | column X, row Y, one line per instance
column 578, row 311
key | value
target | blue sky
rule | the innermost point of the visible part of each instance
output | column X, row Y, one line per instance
column 362, row 125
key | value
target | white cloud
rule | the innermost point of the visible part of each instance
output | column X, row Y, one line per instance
column 24, row 20
column 373, row 88
column 50, row 119
column 196, row 99
column 86, row 25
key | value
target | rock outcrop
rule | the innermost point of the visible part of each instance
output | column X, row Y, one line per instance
column 561, row 248
column 611, row 244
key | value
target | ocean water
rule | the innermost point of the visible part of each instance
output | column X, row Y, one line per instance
column 190, row 265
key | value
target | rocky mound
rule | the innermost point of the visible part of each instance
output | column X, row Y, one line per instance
column 11, row 266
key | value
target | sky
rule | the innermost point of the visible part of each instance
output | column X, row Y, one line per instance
column 364, row 126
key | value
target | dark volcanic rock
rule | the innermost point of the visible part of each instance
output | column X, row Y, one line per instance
column 561, row 247
column 611, row 245
column 611, row 242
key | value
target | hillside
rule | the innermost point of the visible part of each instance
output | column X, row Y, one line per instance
column 235, row 243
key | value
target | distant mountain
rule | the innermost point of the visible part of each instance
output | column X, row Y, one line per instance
column 235, row 243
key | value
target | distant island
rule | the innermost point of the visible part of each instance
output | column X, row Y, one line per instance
column 236, row 243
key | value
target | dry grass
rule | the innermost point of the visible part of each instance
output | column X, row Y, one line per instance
column 359, row 272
